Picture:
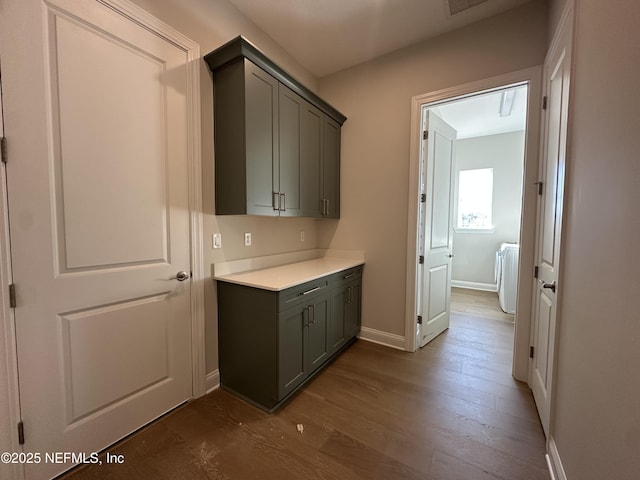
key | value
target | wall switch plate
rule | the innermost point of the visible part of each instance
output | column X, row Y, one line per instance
column 217, row 240
column 302, row 235
column 247, row 239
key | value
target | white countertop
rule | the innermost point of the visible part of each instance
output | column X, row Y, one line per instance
column 280, row 277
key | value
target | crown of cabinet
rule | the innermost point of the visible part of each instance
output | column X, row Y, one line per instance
column 277, row 144
column 240, row 47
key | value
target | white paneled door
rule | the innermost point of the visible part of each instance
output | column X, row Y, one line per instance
column 436, row 239
column 549, row 223
column 96, row 122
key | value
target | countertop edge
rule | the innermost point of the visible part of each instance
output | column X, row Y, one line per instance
column 340, row 261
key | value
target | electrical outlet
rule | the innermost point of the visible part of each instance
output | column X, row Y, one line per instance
column 217, row 240
column 247, row 239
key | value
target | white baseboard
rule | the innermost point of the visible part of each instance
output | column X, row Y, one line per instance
column 553, row 461
column 488, row 287
column 212, row 381
column 382, row 338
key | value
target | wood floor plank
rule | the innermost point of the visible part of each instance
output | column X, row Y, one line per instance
column 449, row 411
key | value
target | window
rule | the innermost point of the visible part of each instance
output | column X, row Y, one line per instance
column 475, row 199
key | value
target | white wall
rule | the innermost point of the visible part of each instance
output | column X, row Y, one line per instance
column 376, row 97
column 596, row 412
column 474, row 259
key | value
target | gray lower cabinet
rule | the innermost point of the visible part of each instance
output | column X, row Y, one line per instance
column 345, row 308
column 270, row 343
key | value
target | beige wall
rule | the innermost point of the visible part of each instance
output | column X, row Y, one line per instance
column 556, row 7
column 596, row 417
column 211, row 24
column 376, row 97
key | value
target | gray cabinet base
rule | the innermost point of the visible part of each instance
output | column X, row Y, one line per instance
column 272, row 343
column 292, row 394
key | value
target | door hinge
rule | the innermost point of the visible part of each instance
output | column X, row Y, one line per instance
column 3, row 149
column 539, row 184
column 423, row 198
column 544, row 102
column 531, row 349
column 21, row 432
column 12, row 295
column 421, row 259
column 419, row 319
column 535, row 271
column 425, row 135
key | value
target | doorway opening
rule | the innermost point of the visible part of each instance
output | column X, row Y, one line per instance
column 479, row 229
column 476, row 145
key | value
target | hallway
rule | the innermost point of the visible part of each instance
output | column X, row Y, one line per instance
column 449, row 411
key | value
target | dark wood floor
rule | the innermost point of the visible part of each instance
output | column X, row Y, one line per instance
column 451, row 411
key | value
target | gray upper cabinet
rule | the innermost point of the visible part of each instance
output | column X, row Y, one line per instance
column 277, row 144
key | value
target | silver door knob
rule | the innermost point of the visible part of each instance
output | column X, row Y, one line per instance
column 181, row 276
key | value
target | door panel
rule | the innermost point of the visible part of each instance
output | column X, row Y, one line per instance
column 292, row 348
column 318, row 341
column 441, row 202
column 549, row 223
column 261, row 117
column 331, row 166
column 435, row 275
column 98, row 197
column 104, row 360
column 291, row 108
column 310, row 160
column 102, row 229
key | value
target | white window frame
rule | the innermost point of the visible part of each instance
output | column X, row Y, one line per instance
column 470, row 229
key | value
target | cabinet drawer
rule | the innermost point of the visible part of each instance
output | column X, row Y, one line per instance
column 301, row 293
column 347, row 275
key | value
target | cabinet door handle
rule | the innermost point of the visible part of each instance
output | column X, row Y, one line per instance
column 312, row 315
column 311, row 291
column 276, row 201
column 284, row 206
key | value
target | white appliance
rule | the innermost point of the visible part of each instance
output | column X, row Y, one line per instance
column 507, row 275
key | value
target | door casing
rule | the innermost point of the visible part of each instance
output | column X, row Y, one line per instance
column 533, row 78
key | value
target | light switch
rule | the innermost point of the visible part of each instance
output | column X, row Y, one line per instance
column 217, row 240
column 302, row 235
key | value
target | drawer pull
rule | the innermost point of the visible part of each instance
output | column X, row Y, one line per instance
column 311, row 291
column 350, row 275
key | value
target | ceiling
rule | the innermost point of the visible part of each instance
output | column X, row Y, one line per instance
column 326, row 36
column 479, row 115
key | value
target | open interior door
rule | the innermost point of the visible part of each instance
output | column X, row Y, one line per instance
column 436, row 239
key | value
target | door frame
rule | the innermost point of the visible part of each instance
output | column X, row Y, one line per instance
column 533, row 78
column 9, row 411
column 196, row 231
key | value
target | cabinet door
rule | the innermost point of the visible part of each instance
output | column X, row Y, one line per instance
column 291, row 107
column 318, row 346
column 261, row 140
column 336, row 328
column 331, row 168
column 292, row 346
column 311, row 124
column 352, row 313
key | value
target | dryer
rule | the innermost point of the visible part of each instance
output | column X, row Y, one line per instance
column 507, row 275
